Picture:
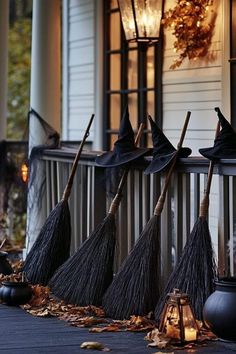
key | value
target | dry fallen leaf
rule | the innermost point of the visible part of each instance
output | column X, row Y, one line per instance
column 92, row 345
column 159, row 340
column 82, row 321
column 163, row 353
column 95, row 346
column 134, row 324
column 14, row 277
column 110, row 328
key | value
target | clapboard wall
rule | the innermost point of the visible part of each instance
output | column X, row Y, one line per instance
column 78, row 67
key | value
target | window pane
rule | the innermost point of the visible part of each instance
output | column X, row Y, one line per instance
column 149, row 134
column 150, row 103
column 150, row 67
column 113, row 138
column 114, row 112
column 114, row 4
column 149, row 140
column 115, row 31
column 133, row 109
column 132, row 69
column 133, row 45
column 115, row 72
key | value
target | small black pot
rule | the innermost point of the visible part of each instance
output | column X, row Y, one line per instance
column 15, row 293
column 219, row 311
column 5, row 267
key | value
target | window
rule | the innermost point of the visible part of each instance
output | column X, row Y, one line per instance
column 132, row 75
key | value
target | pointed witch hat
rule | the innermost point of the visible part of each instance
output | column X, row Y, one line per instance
column 224, row 144
column 124, row 148
column 163, row 150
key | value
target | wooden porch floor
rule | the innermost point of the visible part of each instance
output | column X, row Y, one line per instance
column 22, row 333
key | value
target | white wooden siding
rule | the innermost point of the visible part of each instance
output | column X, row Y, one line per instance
column 79, row 75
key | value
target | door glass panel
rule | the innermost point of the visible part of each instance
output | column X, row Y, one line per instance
column 115, row 72
column 132, row 69
column 150, row 103
column 113, row 138
column 115, row 112
column 150, row 67
column 115, row 31
column 133, row 109
column 114, row 4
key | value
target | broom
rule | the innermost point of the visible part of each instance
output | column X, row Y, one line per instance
column 135, row 288
column 52, row 246
column 84, row 277
column 196, row 270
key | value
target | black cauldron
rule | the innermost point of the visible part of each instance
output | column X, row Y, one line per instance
column 5, row 267
column 15, row 293
column 219, row 311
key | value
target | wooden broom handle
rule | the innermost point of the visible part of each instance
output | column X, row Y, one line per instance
column 116, row 200
column 204, row 206
column 161, row 199
column 68, row 187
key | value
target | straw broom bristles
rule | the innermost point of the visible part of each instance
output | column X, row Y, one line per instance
column 52, row 246
column 196, row 270
column 136, row 287
column 84, row 278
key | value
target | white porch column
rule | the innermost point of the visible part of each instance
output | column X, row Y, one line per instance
column 4, row 21
column 45, row 96
column 45, row 90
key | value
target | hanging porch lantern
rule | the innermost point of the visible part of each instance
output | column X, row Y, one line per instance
column 177, row 320
column 141, row 19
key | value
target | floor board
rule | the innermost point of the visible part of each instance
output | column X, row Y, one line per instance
column 22, row 333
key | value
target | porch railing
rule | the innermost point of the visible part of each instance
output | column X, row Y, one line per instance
column 89, row 203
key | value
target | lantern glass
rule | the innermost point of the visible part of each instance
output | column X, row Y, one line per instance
column 141, row 19
column 177, row 320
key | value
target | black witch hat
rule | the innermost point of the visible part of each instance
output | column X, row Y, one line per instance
column 224, row 144
column 124, row 148
column 163, row 150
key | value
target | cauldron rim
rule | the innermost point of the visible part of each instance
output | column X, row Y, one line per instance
column 226, row 281
column 15, row 283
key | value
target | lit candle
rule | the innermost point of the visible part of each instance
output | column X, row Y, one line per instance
column 190, row 334
column 172, row 331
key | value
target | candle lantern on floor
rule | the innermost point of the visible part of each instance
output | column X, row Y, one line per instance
column 177, row 320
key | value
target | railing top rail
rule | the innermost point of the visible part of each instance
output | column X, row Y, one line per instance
column 192, row 164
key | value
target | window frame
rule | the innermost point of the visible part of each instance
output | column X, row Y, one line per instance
column 141, row 89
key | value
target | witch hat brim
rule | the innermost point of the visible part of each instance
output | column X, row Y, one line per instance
column 124, row 148
column 224, row 144
column 163, row 151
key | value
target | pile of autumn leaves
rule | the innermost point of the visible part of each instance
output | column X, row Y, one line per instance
column 43, row 304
